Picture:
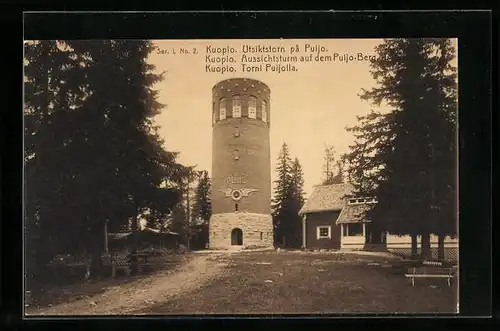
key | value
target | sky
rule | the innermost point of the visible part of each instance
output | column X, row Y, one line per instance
column 309, row 107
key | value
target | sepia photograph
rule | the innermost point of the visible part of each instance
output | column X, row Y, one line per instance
column 240, row 176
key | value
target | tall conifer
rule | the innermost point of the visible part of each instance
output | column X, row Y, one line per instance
column 93, row 153
column 296, row 203
column 281, row 196
column 202, row 209
column 406, row 157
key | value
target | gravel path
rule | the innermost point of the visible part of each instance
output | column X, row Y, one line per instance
column 132, row 298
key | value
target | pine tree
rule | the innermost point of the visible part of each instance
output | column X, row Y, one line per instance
column 405, row 156
column 339, row 177
column 332, row 176
column 329, row 165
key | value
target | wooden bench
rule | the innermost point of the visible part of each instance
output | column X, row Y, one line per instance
column 430, row 272
column 118, row 262
column 121, row 264
column 433, row 263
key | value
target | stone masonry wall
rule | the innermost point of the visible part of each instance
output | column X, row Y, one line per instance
column 253, row 226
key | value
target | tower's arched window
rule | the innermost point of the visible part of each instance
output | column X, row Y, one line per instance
column 264, row 110
column 222, row 109
column 236, row 106
column 252, row 107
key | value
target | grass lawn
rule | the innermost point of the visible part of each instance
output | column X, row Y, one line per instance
column 295, row 282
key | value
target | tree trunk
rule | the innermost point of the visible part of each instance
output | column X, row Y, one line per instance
column 426, row 246
column 376, row 236
column 134, row 265
column 414, row 246
column 298, row 235
column 96, row 267
column 106, row 245
column 441, row 247
column 188, row 216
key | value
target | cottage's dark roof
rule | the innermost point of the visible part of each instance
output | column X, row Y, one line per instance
column 327, row 198
column 353, row 213
column 121, row 235
column 118, row 235
column 160, row 232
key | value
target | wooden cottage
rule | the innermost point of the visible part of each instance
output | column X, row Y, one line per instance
column 333, row 219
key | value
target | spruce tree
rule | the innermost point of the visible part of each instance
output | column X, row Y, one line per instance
column 280, row 208
column 405, row 156
column 133, row 165
column 296, row 202
column 442, row 91
column 288, row 199
column 52, row 95
column 93, row 152
column 297, row 182
column 178, row 221
column 202, row 209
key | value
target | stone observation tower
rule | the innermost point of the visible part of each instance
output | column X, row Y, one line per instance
column 241, row 167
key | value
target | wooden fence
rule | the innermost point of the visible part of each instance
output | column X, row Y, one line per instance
column 401, row 245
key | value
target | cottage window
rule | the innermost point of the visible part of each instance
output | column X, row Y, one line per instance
column 252, row 107
column 236, row 106
column 354, row 229
column 358, row 201
column 324, row 232
column 264, row 111
column 222, row 109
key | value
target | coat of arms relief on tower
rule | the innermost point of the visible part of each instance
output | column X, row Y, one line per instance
column 237, row 194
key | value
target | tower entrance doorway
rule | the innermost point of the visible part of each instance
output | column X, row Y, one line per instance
column 236, row 237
